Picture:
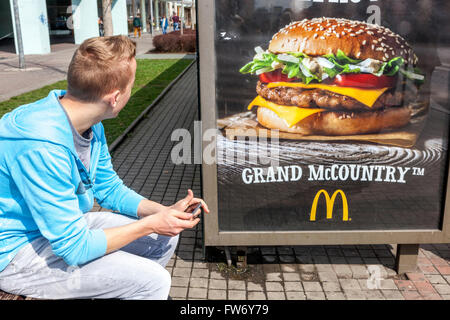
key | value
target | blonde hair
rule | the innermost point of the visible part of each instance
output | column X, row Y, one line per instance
column 100, row 66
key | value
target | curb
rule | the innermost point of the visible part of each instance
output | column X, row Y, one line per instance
column 120, row 138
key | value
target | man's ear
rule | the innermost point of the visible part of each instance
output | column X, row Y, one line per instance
column 114, row 98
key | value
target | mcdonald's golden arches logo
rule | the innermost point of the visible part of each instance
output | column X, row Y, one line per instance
column 330, row 204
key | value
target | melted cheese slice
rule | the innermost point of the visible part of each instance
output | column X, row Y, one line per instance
column 290, row 114
column 365, row 96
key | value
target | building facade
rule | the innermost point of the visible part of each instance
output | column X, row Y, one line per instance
column 43, row 22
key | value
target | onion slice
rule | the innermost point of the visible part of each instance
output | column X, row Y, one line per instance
column 325, row 63
column 305, row 70
column 412, row 75
column 259, row 50
column 288, row 58
column 263, row 70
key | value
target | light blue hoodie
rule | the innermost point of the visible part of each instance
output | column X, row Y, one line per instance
column 45, row 188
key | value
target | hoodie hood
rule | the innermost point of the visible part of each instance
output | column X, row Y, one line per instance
column 43, row 120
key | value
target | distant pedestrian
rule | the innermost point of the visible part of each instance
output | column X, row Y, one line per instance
column 176, row 22
column 164, row 24
column 101, row 28
column 137, row 25
column 150, row 22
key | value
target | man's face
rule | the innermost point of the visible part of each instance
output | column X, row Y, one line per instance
column 125, row 95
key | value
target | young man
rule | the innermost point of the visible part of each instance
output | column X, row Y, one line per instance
column 54, row 161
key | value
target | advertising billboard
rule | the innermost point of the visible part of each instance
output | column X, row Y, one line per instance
column 331, row 120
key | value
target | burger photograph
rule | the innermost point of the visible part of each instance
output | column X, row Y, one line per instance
column 343, row 101
column 330, row 76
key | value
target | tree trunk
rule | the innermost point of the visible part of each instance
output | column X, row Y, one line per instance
column 107, row 17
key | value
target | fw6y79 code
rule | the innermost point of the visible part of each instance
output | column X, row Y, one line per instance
column 246, row 309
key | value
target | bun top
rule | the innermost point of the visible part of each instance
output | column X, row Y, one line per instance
column 357, row 39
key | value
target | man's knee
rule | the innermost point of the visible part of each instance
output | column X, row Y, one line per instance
column 166, row 280
column 126, row 276
column 143, row 279
column 157, row 287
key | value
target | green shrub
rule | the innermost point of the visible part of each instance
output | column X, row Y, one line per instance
column 175, row 42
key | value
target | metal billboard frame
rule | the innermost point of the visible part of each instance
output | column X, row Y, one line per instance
column 409, row 239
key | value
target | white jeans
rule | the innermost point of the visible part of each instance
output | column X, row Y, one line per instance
column 134, row 272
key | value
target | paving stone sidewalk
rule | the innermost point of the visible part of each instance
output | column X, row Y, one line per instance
column 144, row 162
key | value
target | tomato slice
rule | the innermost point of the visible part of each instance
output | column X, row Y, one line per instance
column 274, row 76
column 364, row 80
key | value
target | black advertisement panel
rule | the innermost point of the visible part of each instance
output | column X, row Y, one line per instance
column 332, row 115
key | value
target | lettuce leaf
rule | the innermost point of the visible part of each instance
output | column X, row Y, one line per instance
column 344, row 59
column 342, row 65
column 391, row 67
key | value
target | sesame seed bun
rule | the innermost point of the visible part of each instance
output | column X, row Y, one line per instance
column 333, row 123
column 358, row 40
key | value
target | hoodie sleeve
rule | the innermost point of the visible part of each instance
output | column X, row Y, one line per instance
column 109, row 189
column 43, row 177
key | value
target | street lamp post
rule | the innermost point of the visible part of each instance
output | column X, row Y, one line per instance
column 151, row 17
column 182, row 16
column 143, row 16
column 195, row 15
column 19, row 36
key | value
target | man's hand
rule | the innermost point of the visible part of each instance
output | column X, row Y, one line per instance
column 189, row 203
column 170, row 222
column 167, row 221
column 156, row 218
column 147, row 207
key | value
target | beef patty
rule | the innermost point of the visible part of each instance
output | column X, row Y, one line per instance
column 312, row 98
